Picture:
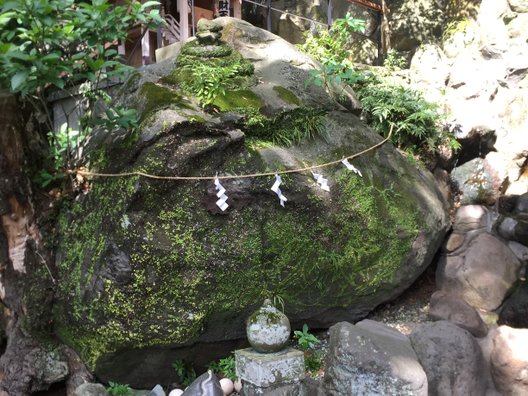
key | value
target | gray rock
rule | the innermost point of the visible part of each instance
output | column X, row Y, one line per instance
column 49, row 367
column 521, row 251
column 471, row 217
column 429, row 68
column 371, row 358
column 157, row 391
column 518, row 27
column 465, row 37
column 451, row 358
column 205, row 384
column 297, row 389
column 477, row 181
column 514, row 311
column 482, row 275
column 519, row 5
column 509, row 361
column 454, row 242
column 491, row 25
column 414, row 22
column 520, row 232
column 205, row 25
column 521, row 205
column 470, row 85
column 506, row 227
column 207, row 37
column 486, row 347
column 268, row 329
column 91, row 389
column 312, row 387
column 455, row 310
column 269, row 369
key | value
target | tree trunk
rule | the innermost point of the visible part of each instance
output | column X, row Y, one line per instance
column 25, row 294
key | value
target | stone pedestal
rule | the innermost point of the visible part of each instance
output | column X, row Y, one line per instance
column 276, row 373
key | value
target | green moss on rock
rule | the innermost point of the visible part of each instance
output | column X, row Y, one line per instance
column 287, row 96
column 238, row 99
column 188, row 265
column 218, row 56
column 154, row 97
column 210, row 51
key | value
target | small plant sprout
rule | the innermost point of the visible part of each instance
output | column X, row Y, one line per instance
column 306, row 342
column 305, row 339
column 225, row 367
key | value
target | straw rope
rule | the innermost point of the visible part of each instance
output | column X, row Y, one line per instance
column 246, row 176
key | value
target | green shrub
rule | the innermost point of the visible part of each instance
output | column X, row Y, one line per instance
column 331, row 47
column 395, row 61
column 54, row 45
column 416, row 123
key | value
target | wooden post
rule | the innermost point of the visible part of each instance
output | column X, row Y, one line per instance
column 159, row 37
column 183, row 9
column 381, row 56
column 269, row 16
column 237, row 9
column 385, row 32
column 121, row 48
column 193, row 20
column 329, row 16
column 145, row 47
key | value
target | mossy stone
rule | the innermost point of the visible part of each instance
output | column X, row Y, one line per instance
column 287, row 96
column 207, row 38
column 238, row 99
column 154, row 97
column 205, row 25
column 194, row 273
column 268, row 329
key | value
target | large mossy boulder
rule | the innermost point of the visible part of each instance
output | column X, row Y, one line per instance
column 152, row 270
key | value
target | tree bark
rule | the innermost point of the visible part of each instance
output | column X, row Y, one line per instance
column 21, row 251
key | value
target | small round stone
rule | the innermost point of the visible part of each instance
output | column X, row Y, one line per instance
column 227, row 386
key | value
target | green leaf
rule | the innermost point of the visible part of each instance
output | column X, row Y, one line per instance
column 18, row 79
column 51, row 57
column 4, row 48
column 18, row 55
column 6, row 17
column 79, row 56
column 58, row 83
column 10, row 5
column 149, row 4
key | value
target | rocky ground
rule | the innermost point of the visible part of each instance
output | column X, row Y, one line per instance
column 411, row 308
column 404, row 313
